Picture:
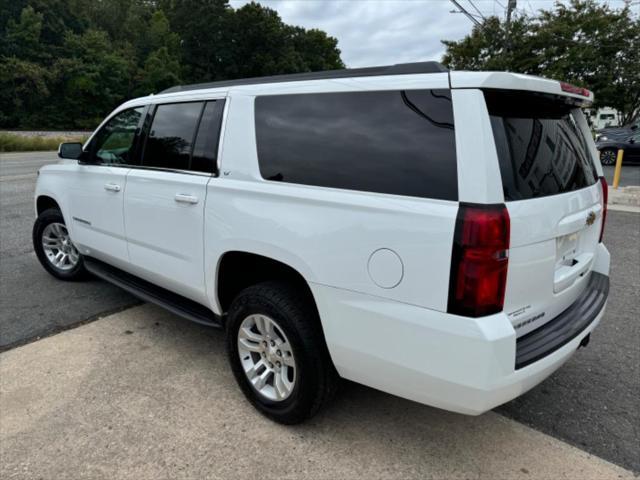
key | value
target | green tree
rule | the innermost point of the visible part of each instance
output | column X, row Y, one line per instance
column 67, row 63
column 92, row 78
column 582, row 42
column 218, row 42
column 23, row 36
column 318, row 50
column 23, row 88
column 203, row 27
column 161, row 70
column 267, row 46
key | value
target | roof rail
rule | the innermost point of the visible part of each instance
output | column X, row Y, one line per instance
column 398, row 69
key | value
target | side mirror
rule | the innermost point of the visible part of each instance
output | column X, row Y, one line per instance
column 71, row 150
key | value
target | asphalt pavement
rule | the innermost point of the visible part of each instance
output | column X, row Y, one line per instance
column 592, row 402
column 630, row 175
column 142, row 394
column 34, row 304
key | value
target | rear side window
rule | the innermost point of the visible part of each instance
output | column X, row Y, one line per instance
column 397, row 142
column 540, row 148
column 205, row 149
column 171, row 136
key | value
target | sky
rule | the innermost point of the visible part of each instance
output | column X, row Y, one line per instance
column 385, row 32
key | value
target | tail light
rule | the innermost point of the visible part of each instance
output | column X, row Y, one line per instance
column 605, row 199
column 480, row 259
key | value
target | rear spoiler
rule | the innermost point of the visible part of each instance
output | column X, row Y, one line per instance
column 517, row 81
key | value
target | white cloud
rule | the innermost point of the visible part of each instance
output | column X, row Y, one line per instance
column 384, row 32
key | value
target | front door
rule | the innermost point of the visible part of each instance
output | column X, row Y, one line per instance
column 97, row 193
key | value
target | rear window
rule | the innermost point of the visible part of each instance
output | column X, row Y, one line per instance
column 171, row 136
column 397, row 142
column 540, row 147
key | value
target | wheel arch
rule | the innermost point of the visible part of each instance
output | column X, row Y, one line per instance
column 45, row 202
column 238, row 269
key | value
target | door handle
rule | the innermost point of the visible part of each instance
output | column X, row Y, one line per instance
column 112, row 187
column 185, row 198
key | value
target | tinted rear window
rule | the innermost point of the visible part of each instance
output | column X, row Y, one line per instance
column 540, row 148
column 398, row 142
column 205, row 149
column 171, row 137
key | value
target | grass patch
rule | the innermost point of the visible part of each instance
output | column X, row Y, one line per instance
column 11, row 142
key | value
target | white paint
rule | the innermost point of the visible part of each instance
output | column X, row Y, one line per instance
column 385, row 268
column 384, row 315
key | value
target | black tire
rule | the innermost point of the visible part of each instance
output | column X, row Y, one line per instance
column 53, row 215
column 608, row 156
column 296, row 315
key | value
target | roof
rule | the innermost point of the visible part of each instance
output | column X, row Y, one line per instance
column 398, row 69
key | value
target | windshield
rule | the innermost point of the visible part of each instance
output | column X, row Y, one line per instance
column 540, row 147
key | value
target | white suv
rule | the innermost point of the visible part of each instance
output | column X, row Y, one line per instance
column 432, row 234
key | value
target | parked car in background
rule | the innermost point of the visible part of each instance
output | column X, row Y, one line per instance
column 436, row 235
column 609, row 144
column 604, row 134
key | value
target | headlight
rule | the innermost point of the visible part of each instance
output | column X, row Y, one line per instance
column 602, row 138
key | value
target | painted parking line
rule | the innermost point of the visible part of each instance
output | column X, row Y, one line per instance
column 143, row 394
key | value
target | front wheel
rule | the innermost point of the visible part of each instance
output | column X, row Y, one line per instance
column 54, row 248
column 277, row 352
column 608, row 156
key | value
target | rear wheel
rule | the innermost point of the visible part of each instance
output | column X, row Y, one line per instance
column 608, row 156
column 54, row 248
column 277, row 352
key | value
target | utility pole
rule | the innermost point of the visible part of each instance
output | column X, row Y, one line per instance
column 511, row 6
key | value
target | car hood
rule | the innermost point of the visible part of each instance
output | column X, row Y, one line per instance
column 614, row 134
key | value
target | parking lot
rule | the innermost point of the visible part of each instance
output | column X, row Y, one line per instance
column 141, row 391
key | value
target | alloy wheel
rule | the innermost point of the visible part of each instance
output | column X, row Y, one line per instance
column 267, row 357
column 608, row 157
column 58, row 247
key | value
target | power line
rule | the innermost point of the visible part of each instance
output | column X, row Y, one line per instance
column 466, row 12
column 476, row 9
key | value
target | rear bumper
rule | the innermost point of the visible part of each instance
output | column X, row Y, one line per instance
column 456, row 363
column 565, row 327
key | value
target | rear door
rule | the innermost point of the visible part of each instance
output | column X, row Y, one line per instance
column 551, row 189
column 632, row 149
column 164, row 200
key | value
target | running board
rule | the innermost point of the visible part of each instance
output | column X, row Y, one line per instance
column 151, row 293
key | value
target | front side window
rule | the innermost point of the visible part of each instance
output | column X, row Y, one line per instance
column 396, row 142
column 171, row 135
column 114, row 144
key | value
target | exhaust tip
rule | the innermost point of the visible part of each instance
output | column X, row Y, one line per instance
column 585, row 341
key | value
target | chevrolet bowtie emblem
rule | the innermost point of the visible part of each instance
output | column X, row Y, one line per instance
column 591, row 217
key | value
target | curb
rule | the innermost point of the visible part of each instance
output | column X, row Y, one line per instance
column 625, row 196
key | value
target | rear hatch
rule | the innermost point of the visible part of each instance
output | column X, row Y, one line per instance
column 554, row 200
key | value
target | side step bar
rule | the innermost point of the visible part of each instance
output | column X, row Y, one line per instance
column 149, row 292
